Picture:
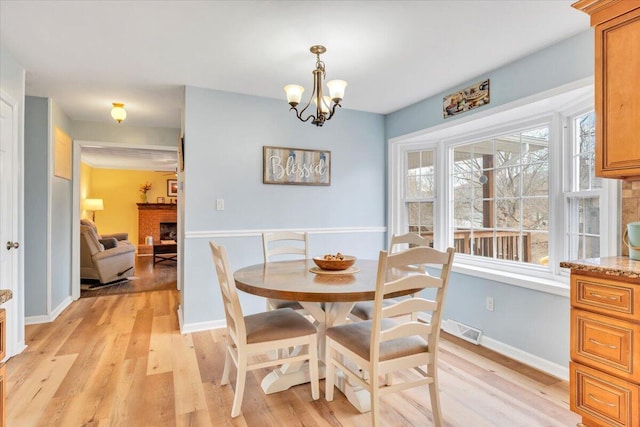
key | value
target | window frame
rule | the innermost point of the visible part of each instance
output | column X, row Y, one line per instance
column 505, row 119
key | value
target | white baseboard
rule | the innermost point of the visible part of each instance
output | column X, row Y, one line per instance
column 187, row 328
column 544, row 365
column 47, row 318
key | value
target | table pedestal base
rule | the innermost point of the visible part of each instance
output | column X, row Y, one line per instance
column 282, row 379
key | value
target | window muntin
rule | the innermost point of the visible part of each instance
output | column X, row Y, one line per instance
column 501, row 196
column 419, row 194
column 585, row 190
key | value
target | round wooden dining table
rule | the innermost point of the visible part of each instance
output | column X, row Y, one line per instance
column 327, row 296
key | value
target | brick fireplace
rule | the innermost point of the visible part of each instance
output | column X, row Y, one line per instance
column 150, row 215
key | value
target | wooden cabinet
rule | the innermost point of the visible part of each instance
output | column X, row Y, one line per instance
column 605, row 361
column 617, row 85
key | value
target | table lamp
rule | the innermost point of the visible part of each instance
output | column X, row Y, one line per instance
column 93, row 205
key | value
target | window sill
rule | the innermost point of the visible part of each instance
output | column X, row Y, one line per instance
column 560, row 286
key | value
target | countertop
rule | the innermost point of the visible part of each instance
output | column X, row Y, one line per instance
column 5, row 295
column 620, row 266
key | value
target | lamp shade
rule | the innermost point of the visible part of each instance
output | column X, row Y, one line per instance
column 93, row 205
column 118, row 112
column 294, row 93
column 336, row 88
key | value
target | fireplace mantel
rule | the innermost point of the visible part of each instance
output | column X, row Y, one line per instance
column 157, row 206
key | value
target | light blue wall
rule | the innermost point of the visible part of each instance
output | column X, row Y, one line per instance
column 123, row 134
column 224, row 136
column 532, row 321
column 36, row 167
column 558, row 64
column 61, row 212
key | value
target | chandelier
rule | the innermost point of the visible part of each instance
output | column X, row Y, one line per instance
column 325, row 105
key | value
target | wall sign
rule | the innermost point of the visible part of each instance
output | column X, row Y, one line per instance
column 296, row 166
column 466, row 99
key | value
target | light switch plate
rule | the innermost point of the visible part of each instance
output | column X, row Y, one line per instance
column 219, row 204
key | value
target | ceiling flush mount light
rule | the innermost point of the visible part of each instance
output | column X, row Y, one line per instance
column 325, row 105
column 118, row 112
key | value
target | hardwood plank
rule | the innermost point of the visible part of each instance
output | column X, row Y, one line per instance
column 24, row 406
column 121, row 360
column 160, row 347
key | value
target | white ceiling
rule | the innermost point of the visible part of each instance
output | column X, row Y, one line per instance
column 87, row 54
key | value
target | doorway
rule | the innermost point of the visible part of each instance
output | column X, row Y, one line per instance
column 127, row 156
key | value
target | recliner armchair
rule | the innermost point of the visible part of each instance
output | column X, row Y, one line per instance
column 105, row 258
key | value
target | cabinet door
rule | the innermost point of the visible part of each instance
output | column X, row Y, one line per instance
column 617, row 77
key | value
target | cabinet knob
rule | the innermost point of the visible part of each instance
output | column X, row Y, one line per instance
column 14, row 245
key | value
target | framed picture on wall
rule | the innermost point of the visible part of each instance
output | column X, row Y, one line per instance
column 172, row 187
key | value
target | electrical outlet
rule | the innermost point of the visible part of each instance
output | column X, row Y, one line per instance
column 490, row 303
column 219, row 204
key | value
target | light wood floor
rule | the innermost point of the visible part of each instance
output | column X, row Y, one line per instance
column 147, row 277
column 120, row 361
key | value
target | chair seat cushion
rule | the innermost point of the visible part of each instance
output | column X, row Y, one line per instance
column 357, row 337
column 276, row 325
column 364, row 310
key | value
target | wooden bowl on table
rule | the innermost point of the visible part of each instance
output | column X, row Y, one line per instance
column 334, row 264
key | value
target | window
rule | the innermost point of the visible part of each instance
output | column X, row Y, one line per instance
column 584, row 189
column 501, row 196
column 514, row 192
column 420, row 192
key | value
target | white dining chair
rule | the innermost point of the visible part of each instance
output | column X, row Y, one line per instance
column 284, row 243
column 364, row 310
column 260, row 333
column 387, row 343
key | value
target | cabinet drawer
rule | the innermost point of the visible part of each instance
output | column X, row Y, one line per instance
column 610, row 297
column 603, row 398
column 606, row 343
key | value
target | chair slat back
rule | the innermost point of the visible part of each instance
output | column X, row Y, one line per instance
column 293, row 243
column 411, row 239
column 232, row 308
column 388, row 282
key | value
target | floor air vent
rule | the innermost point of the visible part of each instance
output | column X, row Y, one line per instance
column 463, row 331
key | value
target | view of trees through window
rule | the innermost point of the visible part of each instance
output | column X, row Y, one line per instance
column 584, row 194
column 501, row 196
column 420, row 192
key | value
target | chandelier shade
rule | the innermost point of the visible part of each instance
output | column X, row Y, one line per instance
column 325, row 106
column 118, row 112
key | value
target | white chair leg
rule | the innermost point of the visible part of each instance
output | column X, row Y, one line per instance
column 330, row 373
column 227, row 363
column 434, row 394
column 375, row 400
column 240, row 381
column 313, row 368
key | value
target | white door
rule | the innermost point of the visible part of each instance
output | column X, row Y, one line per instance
column 9, row 246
